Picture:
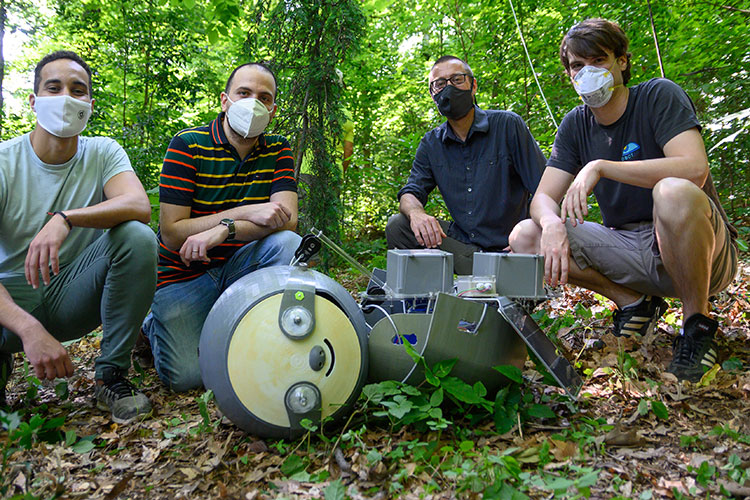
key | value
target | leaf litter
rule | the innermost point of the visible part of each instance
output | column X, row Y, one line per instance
column 629, row 446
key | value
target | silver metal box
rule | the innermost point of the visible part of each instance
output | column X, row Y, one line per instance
column 419, row 272
column 516, row 275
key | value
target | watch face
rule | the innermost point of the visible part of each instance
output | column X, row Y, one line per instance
column 230, row 225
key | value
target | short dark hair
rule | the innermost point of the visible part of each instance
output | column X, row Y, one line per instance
column 258, row 65
column 591, row 38
column 453, row 58
column 54, row 56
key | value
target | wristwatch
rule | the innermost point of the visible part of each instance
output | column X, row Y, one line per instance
column 230, row 225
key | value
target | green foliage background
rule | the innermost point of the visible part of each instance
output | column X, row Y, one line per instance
column 161, row 64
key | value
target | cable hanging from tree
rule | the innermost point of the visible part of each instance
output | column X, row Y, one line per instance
column 533, row 71
column 656, row 39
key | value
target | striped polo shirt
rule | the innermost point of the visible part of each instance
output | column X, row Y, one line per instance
column 203, row 171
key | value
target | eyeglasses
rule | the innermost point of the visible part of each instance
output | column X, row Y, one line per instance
column 457, row 79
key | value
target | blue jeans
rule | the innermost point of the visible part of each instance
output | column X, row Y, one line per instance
column 180, row 309
column 110, row 283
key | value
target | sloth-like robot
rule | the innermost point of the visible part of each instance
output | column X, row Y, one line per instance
column 288, row 343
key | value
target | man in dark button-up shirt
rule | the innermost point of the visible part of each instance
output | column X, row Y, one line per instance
column 486, row 165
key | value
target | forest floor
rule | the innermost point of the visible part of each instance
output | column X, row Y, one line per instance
column 635, row 432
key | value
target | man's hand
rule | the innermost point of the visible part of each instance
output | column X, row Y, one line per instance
column 48, row 357
column 196, row 247
column 272, row 214
column 575, row 204
column 555, row 247
column 44, row 251
column 426, row 229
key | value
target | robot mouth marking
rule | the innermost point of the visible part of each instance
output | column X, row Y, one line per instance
column 333, row 356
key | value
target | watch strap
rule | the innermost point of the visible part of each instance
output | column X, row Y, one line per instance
column 65, row 217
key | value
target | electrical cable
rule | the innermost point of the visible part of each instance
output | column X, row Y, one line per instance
column 387, row 315
column 395, row 329
column 533, row 71
column 479, row 324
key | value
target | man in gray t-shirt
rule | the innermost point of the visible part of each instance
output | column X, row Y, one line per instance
column 61, row 275
column 639, row 150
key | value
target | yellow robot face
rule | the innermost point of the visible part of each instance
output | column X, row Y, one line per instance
column 273, row 373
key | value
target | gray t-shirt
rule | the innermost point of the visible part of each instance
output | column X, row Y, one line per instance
column 657, row 111
column 29, row 188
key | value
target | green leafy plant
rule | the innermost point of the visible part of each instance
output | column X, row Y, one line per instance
column 206, row 424
column 422, row 406
column 734, row 470
column 23, row 435
column 584, row 432
column 295, row 467
column 335, row 490
column 34, row 384
column 627, row 366
column 704, row 473
column 690, row 441
column 647, row 404
column 732, row 364
column 725, row 430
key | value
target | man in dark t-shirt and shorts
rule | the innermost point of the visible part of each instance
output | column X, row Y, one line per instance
column 639, row 150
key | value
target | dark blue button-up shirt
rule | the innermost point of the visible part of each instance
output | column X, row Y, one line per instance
column 486, row 182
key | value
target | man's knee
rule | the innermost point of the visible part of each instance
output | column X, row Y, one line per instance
column 286, row 241
column 276, row 249
column 135, row 236
column 524, row 238
column 676, row 199
column 395, row 231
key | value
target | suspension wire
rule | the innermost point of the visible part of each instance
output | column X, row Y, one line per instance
column 656, row 39
column 533, row 71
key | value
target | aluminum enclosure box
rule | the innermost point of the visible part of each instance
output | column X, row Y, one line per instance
column 419, row 272
column 516, row 275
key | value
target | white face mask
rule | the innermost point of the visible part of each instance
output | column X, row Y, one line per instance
column 62, row 115
column 248, row 117
column 594, row 85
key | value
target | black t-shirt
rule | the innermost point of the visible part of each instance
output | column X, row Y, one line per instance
column 656, row 112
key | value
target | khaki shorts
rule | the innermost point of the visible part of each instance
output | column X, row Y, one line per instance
column 630, row 256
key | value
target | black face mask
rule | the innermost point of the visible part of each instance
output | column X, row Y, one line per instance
column 454, row 103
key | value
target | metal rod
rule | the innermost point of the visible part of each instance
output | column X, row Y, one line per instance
column 359, row 267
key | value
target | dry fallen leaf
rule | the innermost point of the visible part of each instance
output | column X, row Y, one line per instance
column 618, row 437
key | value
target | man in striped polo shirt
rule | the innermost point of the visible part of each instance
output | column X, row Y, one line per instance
column 228, row 207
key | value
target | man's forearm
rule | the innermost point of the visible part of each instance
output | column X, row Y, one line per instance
column 646, row 173
column 544, row 210
column 110, row 213
column 409, row 204
column 245, row 230
column 14, row 318
column 249, row 231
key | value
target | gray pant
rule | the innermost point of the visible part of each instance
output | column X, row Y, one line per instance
column 111, row 283
column 630, row 255
column 398, row 234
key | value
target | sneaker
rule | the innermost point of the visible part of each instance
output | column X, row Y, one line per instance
column 694, row 351
column 142, row 351
column 640, row 318
column 6, row 368
column 122, row 398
